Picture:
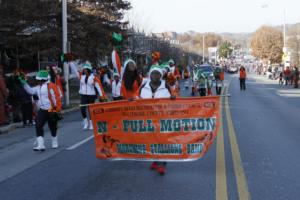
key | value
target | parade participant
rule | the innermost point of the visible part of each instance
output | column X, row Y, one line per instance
column 3, row 95
column 89, row 85
column 281, row 78
column 202, row 84
column 54, row 77
column 243, row 78
column 172, row 66
column 116, row 88
column 156, row 88
column 131, row 81
column 186, row 73
column 155, row 56
column 219, row 77
column 49, row 103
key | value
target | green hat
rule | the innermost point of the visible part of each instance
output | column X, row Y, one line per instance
column 87, row 66
column 165, row 66
column 171, row 61
column 42, row 75
column 116, row 37
column 156, row 68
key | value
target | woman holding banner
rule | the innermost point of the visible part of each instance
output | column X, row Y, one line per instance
column 89, row 84
column 131, row 81
column 155, row 87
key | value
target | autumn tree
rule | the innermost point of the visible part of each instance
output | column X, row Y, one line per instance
column 267, row 43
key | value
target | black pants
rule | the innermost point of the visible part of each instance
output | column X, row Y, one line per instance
column 243, row 83
column 160, row 163
column 218, row 90
column 43, row 116
column 117, row 98
column 202, row 92
column 27, row 112
column 86, row 99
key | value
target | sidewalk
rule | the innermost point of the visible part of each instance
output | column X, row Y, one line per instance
column 13, row 126
column 281, row 90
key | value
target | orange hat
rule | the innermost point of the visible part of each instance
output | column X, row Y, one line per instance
column 155, row 55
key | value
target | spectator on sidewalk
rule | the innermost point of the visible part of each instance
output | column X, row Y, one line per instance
column 296, row 77
column 3, row 96
column 26, row 106
column 287, row 75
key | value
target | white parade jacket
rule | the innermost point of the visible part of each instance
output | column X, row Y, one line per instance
column 161, row 91
column 42, row 92
column 116, row 88
column 89, row 87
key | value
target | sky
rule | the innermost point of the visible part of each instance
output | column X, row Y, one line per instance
column 219, row 16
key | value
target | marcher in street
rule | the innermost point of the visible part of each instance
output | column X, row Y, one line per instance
column 116, row 88
column 219, row 77
column 3, row 96
column 131, row 81
column 156, row 88
column 243, row 77
column 202, row 85
column 89, row 84
column 49, row 103
column 54, row 77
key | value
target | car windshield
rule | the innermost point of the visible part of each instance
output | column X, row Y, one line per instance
column 206, row 68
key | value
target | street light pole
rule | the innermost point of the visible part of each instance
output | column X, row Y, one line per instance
column 65, row 48
column 284, row 28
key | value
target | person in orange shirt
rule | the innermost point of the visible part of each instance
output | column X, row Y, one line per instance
column 131, row 81
column 243, row 78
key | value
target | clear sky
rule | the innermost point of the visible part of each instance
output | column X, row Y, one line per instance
column 211, row 15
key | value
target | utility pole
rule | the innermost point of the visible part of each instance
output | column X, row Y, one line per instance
column 203, row 46
column 65, row 48
column 284, row 28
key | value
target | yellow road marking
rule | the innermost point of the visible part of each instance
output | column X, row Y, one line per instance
column 221, row 183
column 241, row 181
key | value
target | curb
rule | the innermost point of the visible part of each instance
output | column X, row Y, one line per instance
column 14, row 126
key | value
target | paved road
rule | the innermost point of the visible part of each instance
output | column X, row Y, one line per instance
column 255, row 157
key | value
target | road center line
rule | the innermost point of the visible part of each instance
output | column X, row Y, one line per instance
column 80, row 143
column 221, row 180
column 241, row 181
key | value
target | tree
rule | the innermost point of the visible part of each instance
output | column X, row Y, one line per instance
column 293, row 43
column 225, row 50
column 35, row 25
column 267, row 44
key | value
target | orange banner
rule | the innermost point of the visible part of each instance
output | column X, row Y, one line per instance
column 155, row 129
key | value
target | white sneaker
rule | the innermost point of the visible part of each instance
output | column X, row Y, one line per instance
column 91, row 125
column 85, row 124
column 40, row 146
column 54, row 142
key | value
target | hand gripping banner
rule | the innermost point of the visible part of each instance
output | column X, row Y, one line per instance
column 155, row 129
